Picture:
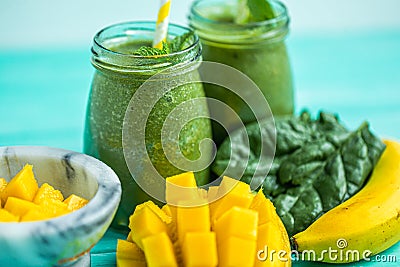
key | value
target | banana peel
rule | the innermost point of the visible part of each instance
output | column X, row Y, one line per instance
column 364, row 225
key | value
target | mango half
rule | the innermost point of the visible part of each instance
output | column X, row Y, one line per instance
column 228, row 225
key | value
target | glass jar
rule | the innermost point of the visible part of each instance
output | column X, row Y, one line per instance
column 256, row 49
column 118, row 76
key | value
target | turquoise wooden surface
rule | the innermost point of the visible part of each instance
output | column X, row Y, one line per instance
column 43, row 96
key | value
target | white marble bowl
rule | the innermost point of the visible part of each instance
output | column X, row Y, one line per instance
column 65, row 240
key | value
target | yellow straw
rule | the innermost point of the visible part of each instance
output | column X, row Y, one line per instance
column 162, row 24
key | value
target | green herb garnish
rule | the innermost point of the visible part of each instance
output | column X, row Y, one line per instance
column 177, row 44
column 148, row 51
column 260, row 9
column 254, row 11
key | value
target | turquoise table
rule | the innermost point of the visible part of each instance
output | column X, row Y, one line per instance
column 43, row 96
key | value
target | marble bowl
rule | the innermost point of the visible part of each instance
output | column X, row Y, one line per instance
column 65, row 240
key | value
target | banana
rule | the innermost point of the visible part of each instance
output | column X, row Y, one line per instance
column 364, row 225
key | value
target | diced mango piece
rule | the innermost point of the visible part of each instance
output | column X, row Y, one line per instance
column 212, row 193
column 156, row 209
column 3, row 184
column 46, row 191
column 129, row 237
column 19, row 206
column 237, row 222
column 159, row 251
column 212, row 198
column 200, row 250
column 192, row 219
column 234, row 193
column 228, row 184
column 264, row 207
column 171, row 212
column 23, row 185
column 143, row 223
column 181, row 187
column 167, row 210
column 185, row 179
column 75, row 202
column 129, row 255
column 54, row 208
column 23, row 198
column 36, row 215
column 6, row 216
column 203, row 193
column 236, row 252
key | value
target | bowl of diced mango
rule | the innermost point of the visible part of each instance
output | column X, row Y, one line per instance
column 55, row 206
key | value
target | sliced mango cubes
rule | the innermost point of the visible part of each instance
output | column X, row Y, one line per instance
column 228, row 225
column 23, row 200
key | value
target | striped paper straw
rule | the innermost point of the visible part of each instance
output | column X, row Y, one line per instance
column 162, row 24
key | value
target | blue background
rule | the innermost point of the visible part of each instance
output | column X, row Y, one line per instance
column 345, row 57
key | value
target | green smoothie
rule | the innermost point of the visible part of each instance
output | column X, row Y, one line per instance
column 255, row 48
column 117, row 77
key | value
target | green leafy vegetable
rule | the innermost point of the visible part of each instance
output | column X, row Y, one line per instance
column 181, row 42
column 177, row 44
column 148, row 51
column 254, row 11
column 260, row 9
column 318, row 164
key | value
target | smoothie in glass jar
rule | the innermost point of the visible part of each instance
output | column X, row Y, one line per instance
column 119, row 73
column 255, row 45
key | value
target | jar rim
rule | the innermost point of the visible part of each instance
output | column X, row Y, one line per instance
column 282, row 16
column 142, row 23
column 215, row 30
column 103, row 57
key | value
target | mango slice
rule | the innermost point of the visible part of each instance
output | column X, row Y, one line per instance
column 3, row 184
column 46, row 191
column 268, row 238
column 144, row 223
column 159, row 251
column 6, row 216
column 234, row 193
column 237, row 222
column 23, row 185
column 167, row 210
column 200, row 250
column 129, row 255
column 193, row 219
column 264, row 207
column 54, row 207
column 237, row 252
column 19, row 206
column 212, row 193
column 35, row 215
column 180, row 187
column 27, row 202
column 75, row 202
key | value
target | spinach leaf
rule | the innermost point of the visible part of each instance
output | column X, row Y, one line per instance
column 318, row 164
